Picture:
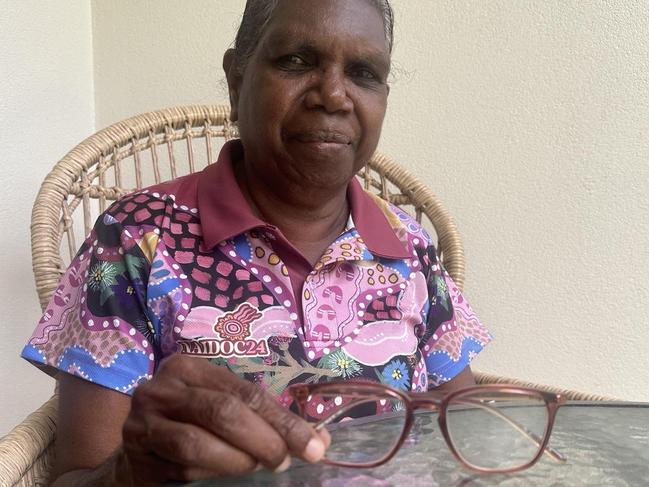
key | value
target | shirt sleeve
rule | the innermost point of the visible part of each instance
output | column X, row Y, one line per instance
column 95, row 325
column 454, row 335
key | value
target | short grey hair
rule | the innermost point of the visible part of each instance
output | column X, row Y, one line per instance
column 258, row 13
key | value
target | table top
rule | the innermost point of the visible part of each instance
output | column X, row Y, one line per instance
column 606, row 443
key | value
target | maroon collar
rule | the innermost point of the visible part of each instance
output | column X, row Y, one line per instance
column 225, row 213
column 373, row 226
column 223, row 209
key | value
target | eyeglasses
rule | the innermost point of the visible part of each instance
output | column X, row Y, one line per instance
column 488, row 428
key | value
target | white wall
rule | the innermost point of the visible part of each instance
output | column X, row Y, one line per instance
column 46, row 107
column 170, row 53
column 529, row 119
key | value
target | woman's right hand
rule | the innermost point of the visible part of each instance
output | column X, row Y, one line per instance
column 195, row 420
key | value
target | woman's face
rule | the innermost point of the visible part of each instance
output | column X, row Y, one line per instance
column 311, row 101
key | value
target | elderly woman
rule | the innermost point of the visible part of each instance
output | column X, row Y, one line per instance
column 193, row 304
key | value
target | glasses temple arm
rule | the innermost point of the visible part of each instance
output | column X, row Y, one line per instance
column 548, row 450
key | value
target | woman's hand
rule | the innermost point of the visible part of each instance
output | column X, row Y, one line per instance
column 195, row 420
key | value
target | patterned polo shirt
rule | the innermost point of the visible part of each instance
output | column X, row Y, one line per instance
column 186, row 267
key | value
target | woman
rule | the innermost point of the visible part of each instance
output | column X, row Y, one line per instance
column 271, row 263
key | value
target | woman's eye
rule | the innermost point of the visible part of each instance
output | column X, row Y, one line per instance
column 365, row 75
column 293, row 61
column 297, row 60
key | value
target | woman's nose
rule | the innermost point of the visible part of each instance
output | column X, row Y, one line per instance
column 330, row 92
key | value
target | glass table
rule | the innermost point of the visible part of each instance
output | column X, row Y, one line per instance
column 606, row 443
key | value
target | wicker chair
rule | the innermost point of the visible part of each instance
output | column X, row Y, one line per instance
column 137, row 152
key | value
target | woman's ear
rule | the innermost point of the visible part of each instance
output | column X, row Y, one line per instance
column 233, row 77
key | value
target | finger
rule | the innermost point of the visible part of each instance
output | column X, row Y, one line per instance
column 221, row 413
column 229, row 418
column 192, row 448
column 300, row 437
column 153, row 470
column 326, row 437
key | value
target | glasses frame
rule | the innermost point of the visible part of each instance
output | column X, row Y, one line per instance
column 427, row 400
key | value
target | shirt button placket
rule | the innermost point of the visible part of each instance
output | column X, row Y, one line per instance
column 307, row 295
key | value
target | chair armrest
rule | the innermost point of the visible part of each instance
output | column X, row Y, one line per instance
column 571, row 395
column 27, row 451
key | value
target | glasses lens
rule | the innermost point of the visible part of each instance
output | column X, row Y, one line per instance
column 497, row 430
column 364, row 427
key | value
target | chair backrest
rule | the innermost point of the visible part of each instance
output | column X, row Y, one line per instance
column 165, row 144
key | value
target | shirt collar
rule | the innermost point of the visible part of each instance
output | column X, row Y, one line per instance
column 372, row 224
column 225, row 213
column 223, row 210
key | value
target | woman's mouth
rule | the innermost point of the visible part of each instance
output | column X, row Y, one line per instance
column 323, row 137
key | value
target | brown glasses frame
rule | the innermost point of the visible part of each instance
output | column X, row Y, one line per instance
column 414, row 401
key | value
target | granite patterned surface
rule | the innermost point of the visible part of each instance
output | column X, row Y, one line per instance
column 606, row 445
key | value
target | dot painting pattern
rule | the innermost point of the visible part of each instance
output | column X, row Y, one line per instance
column 144, row 286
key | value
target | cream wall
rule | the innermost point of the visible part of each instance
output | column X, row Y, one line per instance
column 46, row 106
column 529, row 119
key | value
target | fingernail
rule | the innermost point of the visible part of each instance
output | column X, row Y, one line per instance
column 314, row 450
column 284, row 465
column 326, row 437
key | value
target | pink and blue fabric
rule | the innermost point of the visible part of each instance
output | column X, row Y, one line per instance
column 186, row 267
